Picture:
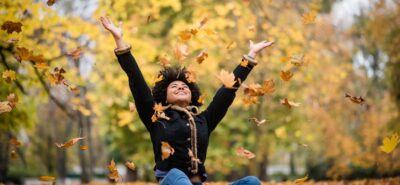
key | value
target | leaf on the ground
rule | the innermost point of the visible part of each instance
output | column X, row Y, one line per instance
column 240, row 151
column 166, row 150
column 228, row 79
column 303, row 179
column 286, row 75
column 390, row 143
column 288, row 103
column 355, row 99
column 69, row 142
column 9, row 76
column 130, row 165
column 11, row 26
column 47, row 178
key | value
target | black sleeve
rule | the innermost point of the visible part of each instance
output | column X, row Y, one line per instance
column 141, row 92
column 224, row 98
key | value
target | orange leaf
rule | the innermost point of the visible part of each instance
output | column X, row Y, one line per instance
column 75, row 53
column 268, row 86
column 250, row 100
column 9, row 75
column 69, row 143
column 23, row 54
column 202, row 98
column 301, row 179
column 47, row 178
column 309, row 18
column 113, row 175
column 203, row 22
column 10, row 26
column 185, row 35
column 240, row 151
column 181, row 52
column 130, row 165
column 228, row 79
column 164, row 61
column 202, row 56
column 15, row 142
column 286, row 75
column 231, row 45
column 84, row 147
column 166, row 150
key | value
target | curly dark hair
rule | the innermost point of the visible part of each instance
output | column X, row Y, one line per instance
column 171, row 74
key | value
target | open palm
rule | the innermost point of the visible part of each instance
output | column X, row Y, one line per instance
column 109, row 25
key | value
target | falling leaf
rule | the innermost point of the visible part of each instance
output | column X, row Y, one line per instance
column 268, row 86
column 297, row 60
column 301, row 179
column 73, row 88
column 15, row 142
column 10, row 27
column 309, row 18
column 286, row 75
column 185, row 35
column 285, row 59
column 193, row 31
column 132, row 107
column 50, row 2
column 164, row 61
column 190, row 76
column 231, row 45
column 13, row 155
column 69, row 143
column 202, row 98
column 202, row 56
column 258, row 122
column 209, row 31
column 240, row 151
column 158, row 78
column 166, row 150
column 113, row 175
column 228, row 79
column 9, row 75
column 47, row 178
column 75, row 53
column 84, row 147
column 289, row 104
column 159, row 112
column 181, row 52
column 250, row 100
column 251, row 28
column 253, row 90
column 56, row 77
column 203, row 22
column 130, row 165
column 358, row 100
column 390, row 143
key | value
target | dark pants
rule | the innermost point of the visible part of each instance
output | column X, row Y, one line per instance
column 177, row 177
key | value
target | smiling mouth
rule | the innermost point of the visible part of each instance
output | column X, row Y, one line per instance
column 180, row 93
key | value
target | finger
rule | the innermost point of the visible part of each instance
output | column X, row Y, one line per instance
column 120, row 24
column 251, row 43
column 109, row 20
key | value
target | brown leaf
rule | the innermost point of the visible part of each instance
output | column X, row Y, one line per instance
column 10, row 27
column 258, row 122
column 13, row 155
column 15, row 142
column 113, row 175
column 75, row 53
column 358, row 100
column 203, row 22
column 22, row 53
column 166, row 150
column 47, row 178
column 50, row 2
column 185, row 35
column 69, row 143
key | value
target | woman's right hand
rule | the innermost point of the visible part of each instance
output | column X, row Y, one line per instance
column 109, row 25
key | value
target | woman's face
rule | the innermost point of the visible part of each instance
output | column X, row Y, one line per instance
column 178, row 93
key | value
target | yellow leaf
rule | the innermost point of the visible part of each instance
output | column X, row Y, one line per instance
column 390, row 143
column 202, row 98
column 166, row 150
column 113, row 175
column 251, row 28
column 301, row 179
column 231, row 45
column 42, row 65
column 164, row 61
column 9, row 75
column 244, row 63
column 84, row 147
column 228, row 79
column 309, row 18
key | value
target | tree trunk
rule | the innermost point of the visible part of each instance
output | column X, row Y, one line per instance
column 4, row 152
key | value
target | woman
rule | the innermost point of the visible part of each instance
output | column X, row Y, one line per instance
column 178, row 127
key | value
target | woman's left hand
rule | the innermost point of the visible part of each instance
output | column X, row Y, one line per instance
column 257, row 47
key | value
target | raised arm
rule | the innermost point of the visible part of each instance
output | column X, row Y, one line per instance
column 224, row 96
column 141, row 92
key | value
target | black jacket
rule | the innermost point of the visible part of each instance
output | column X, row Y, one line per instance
column 176, row 131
